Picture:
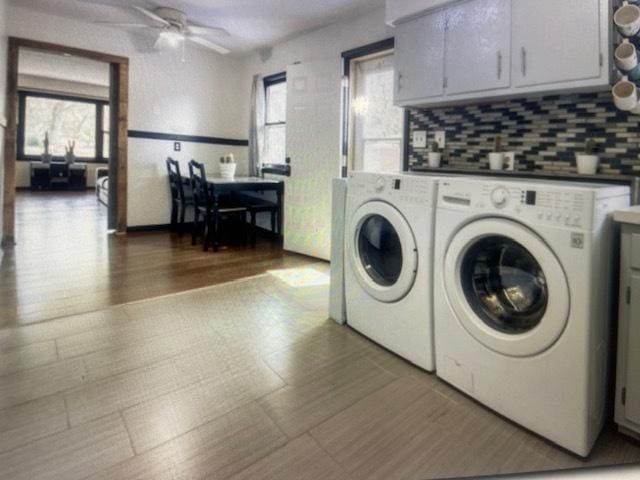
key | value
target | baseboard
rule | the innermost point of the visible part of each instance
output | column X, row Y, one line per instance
column 149, row 228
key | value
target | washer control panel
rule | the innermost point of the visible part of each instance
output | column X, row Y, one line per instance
column 396, row 188
column 542, row 204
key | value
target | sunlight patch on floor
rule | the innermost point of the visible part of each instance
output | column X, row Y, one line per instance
column 301, row 277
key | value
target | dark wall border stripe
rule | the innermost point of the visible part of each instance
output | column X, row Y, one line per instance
column 188, row 138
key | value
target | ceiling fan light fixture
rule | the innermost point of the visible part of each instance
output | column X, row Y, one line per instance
column 172, row 38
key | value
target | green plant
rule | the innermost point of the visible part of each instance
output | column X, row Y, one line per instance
column 497, row 144
column 590, row 146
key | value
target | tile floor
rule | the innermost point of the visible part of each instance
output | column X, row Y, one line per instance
column 245, row 380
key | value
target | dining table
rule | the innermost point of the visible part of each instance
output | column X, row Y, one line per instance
column 224, row 186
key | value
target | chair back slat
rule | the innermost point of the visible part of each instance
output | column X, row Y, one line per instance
column 175, row 179
column 201, row 194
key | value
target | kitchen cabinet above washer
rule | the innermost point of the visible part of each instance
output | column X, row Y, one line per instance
column 495, row 49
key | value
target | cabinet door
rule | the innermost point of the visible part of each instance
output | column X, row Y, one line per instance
column 632, row 406
column 555, row 41
column 478, row 46
column 419, row 58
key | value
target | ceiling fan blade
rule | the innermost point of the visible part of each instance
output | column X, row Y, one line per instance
column 152, row 16
column 200, row 30
column 210, row 45
column 124, row 25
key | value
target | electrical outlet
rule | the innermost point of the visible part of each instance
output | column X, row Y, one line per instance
column 177, row 146
column 420, row 139
column 440, row 138
column 510, row 160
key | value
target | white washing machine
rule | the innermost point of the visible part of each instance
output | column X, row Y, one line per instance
column 523, row 280
column 388, row 264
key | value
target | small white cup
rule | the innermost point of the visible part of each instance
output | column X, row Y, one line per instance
column 496, row 161
column 435, row 159
column 587, row 164
column 625, row 95
column 626, row 56
column 627, row 19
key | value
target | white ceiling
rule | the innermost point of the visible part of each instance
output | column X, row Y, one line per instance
column 253, row 24
column 62, row 67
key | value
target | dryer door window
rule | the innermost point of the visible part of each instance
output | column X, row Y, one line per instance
column 504, row 284
column 506, row 287
column 380, row 250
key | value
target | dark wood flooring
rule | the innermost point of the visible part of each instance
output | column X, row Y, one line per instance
column 65, row 262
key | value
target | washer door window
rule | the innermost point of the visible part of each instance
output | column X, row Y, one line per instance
column 382, row 251
column 508, row 289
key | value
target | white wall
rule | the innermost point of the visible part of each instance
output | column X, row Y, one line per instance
column 199, row 97
column 3, row 89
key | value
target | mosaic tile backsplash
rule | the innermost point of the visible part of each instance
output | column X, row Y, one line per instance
column 545, row 133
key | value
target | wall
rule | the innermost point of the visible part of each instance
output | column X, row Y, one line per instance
column 3, row 89
column 545, row 133
column 199, row 97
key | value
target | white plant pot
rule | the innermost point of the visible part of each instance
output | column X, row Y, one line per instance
column 496, row 161
column 227, row 170
column 587, row 164
column 435, row 159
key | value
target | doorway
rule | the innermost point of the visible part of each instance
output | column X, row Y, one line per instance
column 110, row 123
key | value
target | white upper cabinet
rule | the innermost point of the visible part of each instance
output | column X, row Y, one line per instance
column 555, row 41
column 478, row 46
column 419, row 59
column 474, row 50
column 401, row 10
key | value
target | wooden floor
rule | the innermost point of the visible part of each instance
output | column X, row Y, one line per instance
column 243, row 380
column 65, row 263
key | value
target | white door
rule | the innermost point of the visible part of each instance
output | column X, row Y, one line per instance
column 632, row 406
column 508, row 289
column 419, row 58
column 478, row 46
column 382, row 251
column 313, row 147
column 555, row 41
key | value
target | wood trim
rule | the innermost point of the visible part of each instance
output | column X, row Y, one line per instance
column 119, row 99
column 10, row 145
column 78, row 52
column 174, row 137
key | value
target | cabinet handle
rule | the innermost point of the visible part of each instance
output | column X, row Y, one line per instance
column 524, row 62
column 399, row 81
column 499, row 65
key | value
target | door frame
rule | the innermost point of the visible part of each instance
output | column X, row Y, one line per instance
column 119, row 124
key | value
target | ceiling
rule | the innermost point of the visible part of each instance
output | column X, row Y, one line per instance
column 63, row 67
column 253, row 24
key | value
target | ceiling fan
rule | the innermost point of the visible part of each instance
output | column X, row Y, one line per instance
column 174, row 29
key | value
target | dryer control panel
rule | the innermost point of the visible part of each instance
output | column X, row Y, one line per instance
column 395, row 188
column 561, row 206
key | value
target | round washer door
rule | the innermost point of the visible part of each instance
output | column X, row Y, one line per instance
column 382, row 251
column 506, row 287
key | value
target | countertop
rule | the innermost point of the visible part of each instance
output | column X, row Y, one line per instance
column 628, row 215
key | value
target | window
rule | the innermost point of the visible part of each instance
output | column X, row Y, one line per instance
column 65, row 119
column 275, row 135
column 377, row 124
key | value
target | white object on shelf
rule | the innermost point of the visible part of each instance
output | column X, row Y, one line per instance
column 434, row 159
column 627, row 411
column 587, row 164
column 554, row 47
column 496, row 161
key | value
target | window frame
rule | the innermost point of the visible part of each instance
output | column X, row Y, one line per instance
column 348, row 57
column 23, row 95
column 270, row 81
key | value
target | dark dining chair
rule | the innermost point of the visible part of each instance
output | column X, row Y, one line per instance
column 256, row 205
column 211, row 208
column 181, row 196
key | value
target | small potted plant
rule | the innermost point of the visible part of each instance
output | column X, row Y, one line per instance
column 496, row 158
column 588, row 162
column 435, row 155
column 69, row 155
column 227, row 167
